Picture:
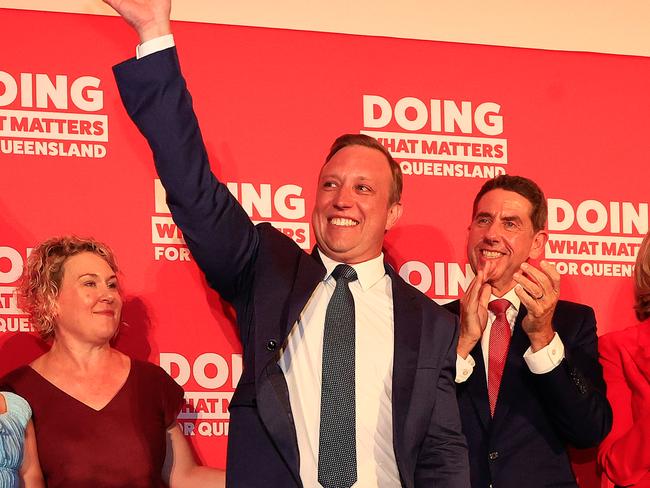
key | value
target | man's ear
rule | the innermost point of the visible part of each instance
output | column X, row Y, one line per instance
column 539, row 241
column 394, row 213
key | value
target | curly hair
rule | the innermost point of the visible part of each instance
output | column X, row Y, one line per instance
column 43, row 273
column 642, row 280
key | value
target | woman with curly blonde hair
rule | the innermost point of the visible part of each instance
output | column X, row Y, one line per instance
column 624, row 455
column 43, row 275
column 100, row 417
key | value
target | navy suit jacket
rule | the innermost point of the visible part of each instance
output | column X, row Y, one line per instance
column 269, row 279
column 537, row 415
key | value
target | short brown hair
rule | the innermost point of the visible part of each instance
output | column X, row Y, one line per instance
column 366, row 141
column 43, row 274
column 527, row 188
column 642, row 280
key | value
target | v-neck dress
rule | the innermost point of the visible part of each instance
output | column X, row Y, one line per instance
column 12, row 438
column 121, row 445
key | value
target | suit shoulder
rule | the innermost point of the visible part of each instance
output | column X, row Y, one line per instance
column 425, row 302
column 453, row 307
column 275, row 241
column 280, row 258
column 566, row 307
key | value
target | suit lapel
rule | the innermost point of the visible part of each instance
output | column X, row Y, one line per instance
column 309, row 274
column 407, row 317
column 477, row 387
column 275, row 409
column 275, row 412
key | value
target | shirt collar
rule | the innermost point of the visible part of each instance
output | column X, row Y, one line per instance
column 368, row 273
column 511, row 296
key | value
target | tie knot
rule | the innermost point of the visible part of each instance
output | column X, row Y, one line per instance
column 345, row 272
column 499, row 306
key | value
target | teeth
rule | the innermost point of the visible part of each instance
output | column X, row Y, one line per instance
column 343, row 222
column 491, row 254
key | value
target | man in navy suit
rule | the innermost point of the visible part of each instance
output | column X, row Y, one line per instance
column 528, row 379
column 403, row 417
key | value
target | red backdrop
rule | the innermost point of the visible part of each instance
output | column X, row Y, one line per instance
column 270, row 103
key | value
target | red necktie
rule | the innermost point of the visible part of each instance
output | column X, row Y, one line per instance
column 498, row 350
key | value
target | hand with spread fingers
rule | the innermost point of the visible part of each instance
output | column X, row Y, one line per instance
column 473, row 313
column 149, row 18
column 539, row 291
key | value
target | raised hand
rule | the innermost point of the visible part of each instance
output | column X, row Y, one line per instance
column 149, row 18
column 473, row 312
column 539, row 291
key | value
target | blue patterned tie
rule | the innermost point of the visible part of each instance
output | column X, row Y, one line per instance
column 337, row 452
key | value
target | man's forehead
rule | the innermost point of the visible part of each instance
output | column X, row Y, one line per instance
column 504, row 204
column 368, row 165
column 503, row 200
column 357, row 174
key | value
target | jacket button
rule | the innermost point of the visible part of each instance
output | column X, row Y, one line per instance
column 271, row 345
column 493, row 455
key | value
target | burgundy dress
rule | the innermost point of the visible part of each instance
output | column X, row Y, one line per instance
column 121, row 445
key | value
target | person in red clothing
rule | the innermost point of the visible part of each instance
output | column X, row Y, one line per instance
column 624, row 455
column 100, row 417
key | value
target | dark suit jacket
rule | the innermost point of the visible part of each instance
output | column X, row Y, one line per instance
column 625, row 454
column 537, row 415
column 269, row 279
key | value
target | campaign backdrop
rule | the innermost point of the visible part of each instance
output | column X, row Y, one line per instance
column 270, row 103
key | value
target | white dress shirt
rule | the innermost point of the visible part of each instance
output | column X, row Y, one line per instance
column 301, row 362
column 540, row 362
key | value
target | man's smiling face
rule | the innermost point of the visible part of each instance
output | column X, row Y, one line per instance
column 353, row 209
column 502, row 237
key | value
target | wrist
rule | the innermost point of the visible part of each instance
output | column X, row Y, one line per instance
column 539, row 340
column 152, row 30
column 465, row 346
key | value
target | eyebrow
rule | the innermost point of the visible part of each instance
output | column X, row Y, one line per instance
column 95, row 275
column 335, row 176
column 512, row 218
column 509, row 218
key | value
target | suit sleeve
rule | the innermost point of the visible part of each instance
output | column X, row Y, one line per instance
column 624, row 455
column 573, row 393
column 221, row 237
column 443, row 459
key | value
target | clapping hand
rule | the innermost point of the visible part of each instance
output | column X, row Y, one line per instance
column 473, row 312
column 539, row 291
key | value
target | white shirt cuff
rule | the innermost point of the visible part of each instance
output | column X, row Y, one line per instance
column 464, row 368
column 547, row 358
column 154, row 45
